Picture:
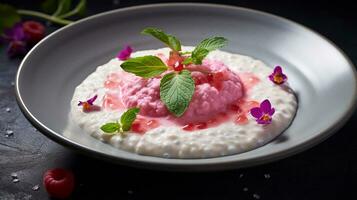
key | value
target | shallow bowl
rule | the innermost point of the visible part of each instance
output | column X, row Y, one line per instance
column 322, row 76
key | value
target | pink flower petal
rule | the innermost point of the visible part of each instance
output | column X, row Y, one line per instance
column 125, row 53
column 265, row 106
column 256, row 112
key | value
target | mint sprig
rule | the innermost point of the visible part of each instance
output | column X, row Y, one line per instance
column 170, row 40
column 111, row 128
column 126, row 120
column 145, row 66
column 204, row 47
column 176, row 91
column 176, row 88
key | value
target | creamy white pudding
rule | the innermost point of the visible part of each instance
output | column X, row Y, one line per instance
column 216, row 131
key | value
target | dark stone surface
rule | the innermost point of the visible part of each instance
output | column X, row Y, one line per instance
column 327, row 171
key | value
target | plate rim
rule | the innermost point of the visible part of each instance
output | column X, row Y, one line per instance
column 181, row 164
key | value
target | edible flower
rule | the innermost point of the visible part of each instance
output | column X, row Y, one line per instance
column 263, row 113
column 125, row 53
column 277, row 76
column 88, row 105
column 22, row 36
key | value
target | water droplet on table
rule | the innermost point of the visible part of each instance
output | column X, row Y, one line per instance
column 35, row 187
column 12, row 83
column 9, row 133
column 256, row 196
column 13, row 175
column 241, row 175
column 15, row 180
column 8, row 109
column 267, row 176
column 245, row 189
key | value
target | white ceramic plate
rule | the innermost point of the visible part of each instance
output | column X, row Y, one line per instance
column 322, row 76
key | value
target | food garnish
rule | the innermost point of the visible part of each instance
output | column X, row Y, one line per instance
column 126, row 120
column 278, row 77
column 263, row 113
column 176, row 87
column 88, row 105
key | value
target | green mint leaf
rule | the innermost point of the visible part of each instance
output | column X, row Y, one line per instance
column 185, row 52
column 205, row 46
column 170, row 40
column 199, row 55
column 111, row 128
column 8, row 17
column 128, row 118
column 212, row 43
column 49, row 6
column 174, row 43
column 187, row 61
column 176, row 91
column 145, row 66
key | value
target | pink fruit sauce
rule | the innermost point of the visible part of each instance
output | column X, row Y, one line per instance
column 219, row 97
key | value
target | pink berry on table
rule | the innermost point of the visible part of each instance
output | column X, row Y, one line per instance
column 34, row 31
column 59, row 183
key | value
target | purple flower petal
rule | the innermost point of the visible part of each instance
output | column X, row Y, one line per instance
column 277, row 76
column 272, row 111
column 125, row 53
column 284, row 77
column 265, row 106
column 256, row 112
column 15, row 33
column 271, row 77
column 80, row 103
column 91, row 100
column 278, row 70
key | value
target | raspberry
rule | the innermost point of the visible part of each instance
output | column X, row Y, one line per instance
column 234, row 107
column 34, row 31
column 188, row 127
column 136, row 127
column 59, row 183
column 178, row 66
column 16, row 48
column 175, row 61
column 201, row 125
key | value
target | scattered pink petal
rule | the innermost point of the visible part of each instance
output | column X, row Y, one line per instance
column 125, row 53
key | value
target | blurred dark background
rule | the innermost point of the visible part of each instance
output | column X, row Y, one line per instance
column 326, row 171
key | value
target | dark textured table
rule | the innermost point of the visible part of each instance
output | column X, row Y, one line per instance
column 327, row 171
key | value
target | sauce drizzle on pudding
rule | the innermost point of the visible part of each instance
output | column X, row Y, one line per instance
column 216, row 86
